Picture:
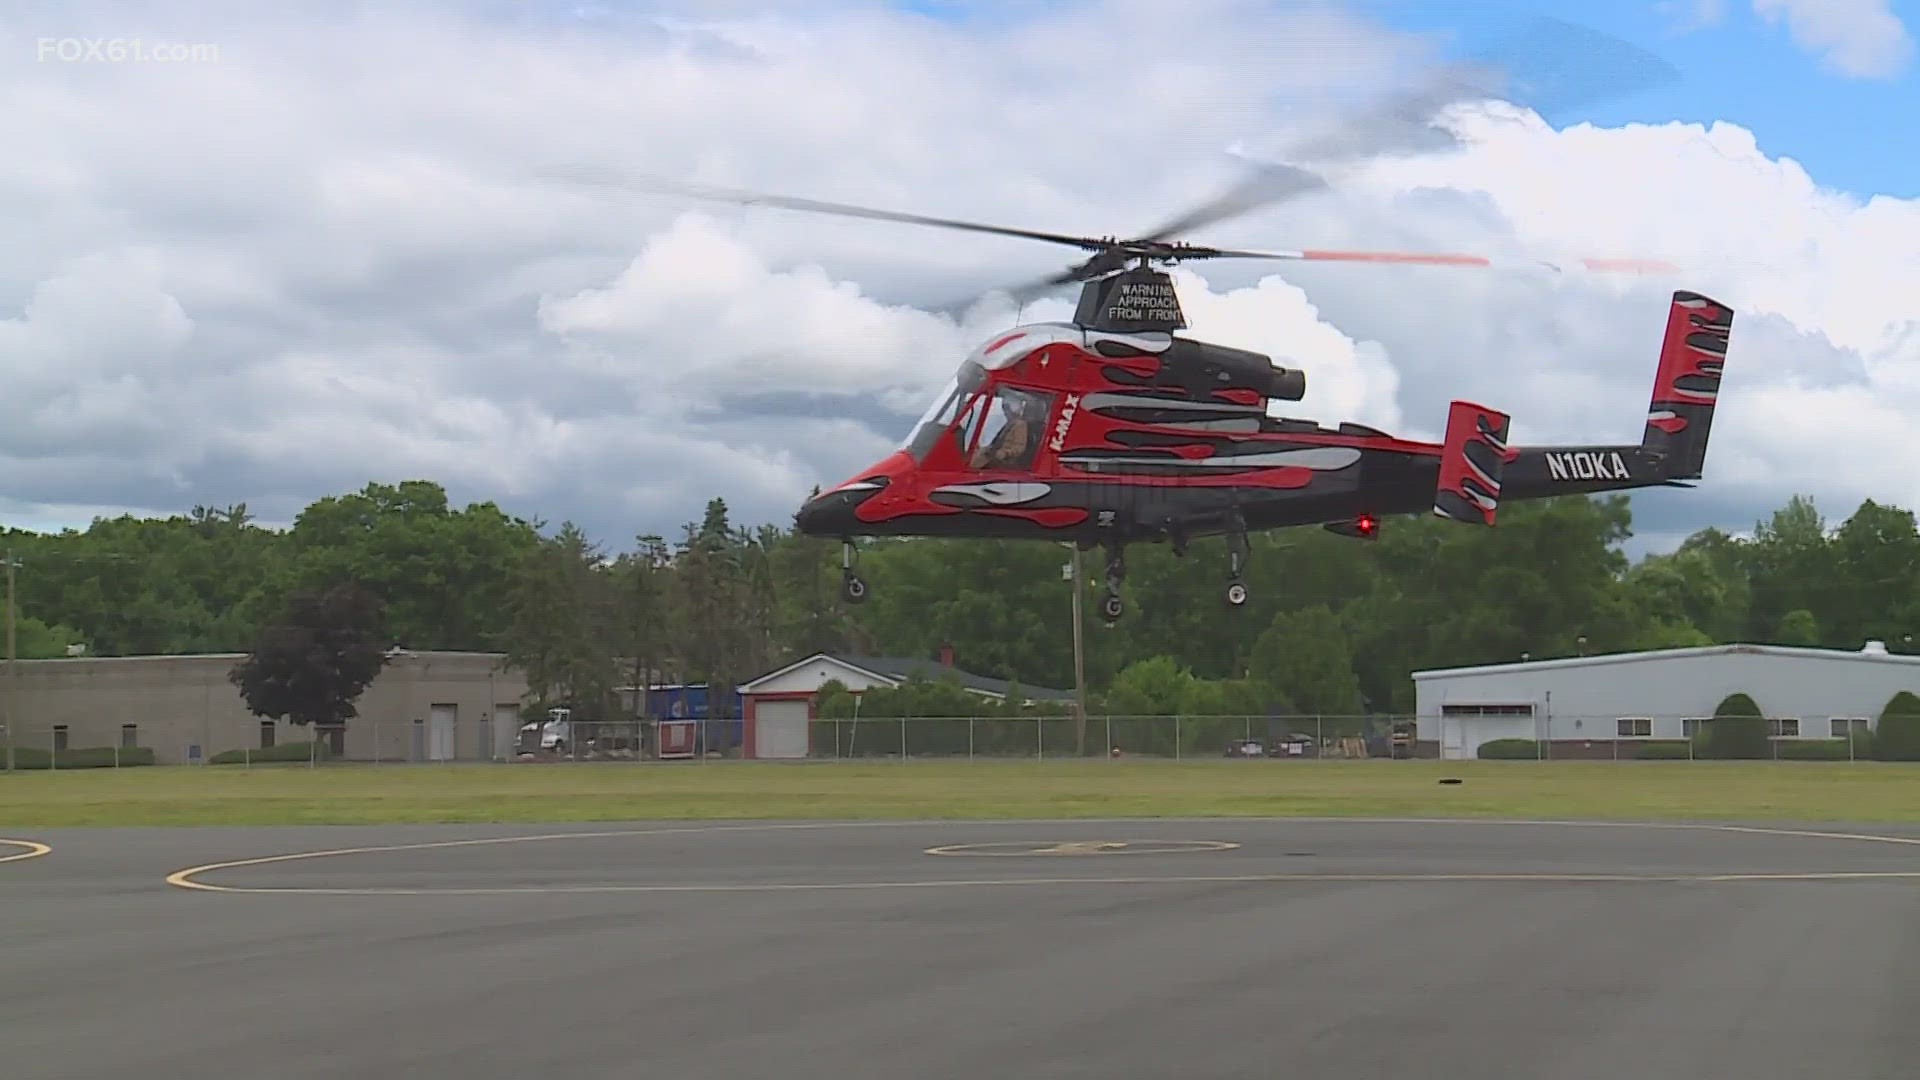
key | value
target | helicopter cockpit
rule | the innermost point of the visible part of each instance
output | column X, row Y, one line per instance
column 1002, row 432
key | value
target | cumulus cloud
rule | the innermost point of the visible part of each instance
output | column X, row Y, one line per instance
column 328, row 256
column 1862, row 38
column 1857, row 38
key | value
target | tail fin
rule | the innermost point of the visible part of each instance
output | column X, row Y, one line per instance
column 1688, row 383
column 1472, row 461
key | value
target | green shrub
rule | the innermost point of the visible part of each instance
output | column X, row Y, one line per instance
column 1663, row 750
column 1897, row 736
column 1813, row 749
column 93, row 757
column 1509, row 750
column 300, row 751
column 1738, row 730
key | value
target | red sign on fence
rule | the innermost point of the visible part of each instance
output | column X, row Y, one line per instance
column 675, row 738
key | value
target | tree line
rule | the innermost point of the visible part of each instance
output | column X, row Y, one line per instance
column 1334, row 624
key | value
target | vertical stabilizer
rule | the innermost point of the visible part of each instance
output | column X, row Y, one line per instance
column 1687, row 385
column 1472, row 462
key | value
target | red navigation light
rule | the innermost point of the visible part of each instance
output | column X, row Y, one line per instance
column 1362, row 527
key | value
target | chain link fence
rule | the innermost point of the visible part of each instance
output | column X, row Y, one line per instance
column 1170, row 737
column 370, row 741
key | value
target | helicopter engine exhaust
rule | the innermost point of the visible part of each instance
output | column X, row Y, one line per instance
column 1286, row 384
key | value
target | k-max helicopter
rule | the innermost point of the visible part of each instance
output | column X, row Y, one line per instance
column 1114, row 429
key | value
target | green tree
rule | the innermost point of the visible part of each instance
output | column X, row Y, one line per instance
column 564, row 625
column 311, row 666
column 35, row 640
column 1738, row 729
column 1156, row 686
column 444, row 574
column 1876, row 555
column 1798, row 627
column 641, row 585
column 1305, row 655
column 1896, row 736
column 1791, row 565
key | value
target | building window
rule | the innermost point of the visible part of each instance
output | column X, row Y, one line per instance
column 1486, row 710
column 1634, row 727
column 129, row 735
column 267, row 731
column 1691, row 726
column 59, row 736
column 1843, row 727
column 1785, row 727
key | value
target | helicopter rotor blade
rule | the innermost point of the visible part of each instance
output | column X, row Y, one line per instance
column 741, row 197
column 1597, row 264
column 1266, row 184
column 1555, row 51
column 1033, row 290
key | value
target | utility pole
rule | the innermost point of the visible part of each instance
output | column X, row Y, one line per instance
column 1079, row 661
column 13, row 685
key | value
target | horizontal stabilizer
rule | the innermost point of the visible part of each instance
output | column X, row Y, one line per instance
column 1472, row 461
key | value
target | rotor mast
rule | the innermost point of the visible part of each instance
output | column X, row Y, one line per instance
column 1138, row 300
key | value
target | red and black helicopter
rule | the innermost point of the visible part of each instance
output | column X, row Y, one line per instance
column 1112, row 428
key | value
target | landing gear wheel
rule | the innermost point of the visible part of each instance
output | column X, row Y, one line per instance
column 1238, row 551
column 1111, row 608
column 851, row 587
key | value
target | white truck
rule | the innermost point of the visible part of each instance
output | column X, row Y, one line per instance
column 554, row 735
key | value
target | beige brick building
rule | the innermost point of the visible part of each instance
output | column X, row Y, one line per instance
column 425, row 706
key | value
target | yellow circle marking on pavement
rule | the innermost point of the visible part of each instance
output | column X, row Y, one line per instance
column 1016, row 848
column 186, row 879
column 34, row 849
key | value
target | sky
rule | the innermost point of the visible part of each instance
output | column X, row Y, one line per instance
column 268, row 253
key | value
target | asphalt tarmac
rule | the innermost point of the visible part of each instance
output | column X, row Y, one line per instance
column 1304, row 949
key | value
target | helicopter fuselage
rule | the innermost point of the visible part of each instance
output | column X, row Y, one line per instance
column 1125, row 446
column 1062, row 432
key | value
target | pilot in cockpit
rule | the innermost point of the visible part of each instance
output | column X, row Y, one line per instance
column 1021, row 414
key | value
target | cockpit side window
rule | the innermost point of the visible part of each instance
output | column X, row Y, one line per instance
column 1014, row 420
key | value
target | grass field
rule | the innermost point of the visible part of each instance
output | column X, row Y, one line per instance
column 347, row 794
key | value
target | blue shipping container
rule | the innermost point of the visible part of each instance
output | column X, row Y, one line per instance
column 676, row 701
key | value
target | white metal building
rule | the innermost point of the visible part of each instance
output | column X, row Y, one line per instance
column 1583, row 704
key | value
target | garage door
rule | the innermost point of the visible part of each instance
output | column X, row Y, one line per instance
column 506, row 730
column 443, row 732
column 780, row 729
column 1465, row 734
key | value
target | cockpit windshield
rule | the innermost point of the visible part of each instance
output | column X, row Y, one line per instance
column 1001, row 352
column 946, row 406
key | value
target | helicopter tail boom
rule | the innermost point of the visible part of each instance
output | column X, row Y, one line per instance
column 1672, row 451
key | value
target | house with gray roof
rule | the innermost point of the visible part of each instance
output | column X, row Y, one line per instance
column 777, row 708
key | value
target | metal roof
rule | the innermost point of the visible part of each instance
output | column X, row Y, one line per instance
column 1868, row 655
column 898, row 669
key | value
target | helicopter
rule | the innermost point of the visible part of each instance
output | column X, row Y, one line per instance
column 1112, row 428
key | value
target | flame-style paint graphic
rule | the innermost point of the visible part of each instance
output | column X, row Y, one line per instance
column 1472, row 461
column 1686, row 388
